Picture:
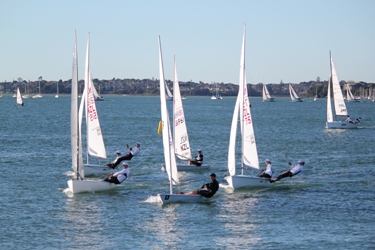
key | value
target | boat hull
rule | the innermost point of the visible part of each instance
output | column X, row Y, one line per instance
column 84, row 186
column 341, row 125
column 239, row 181
column 269, row 100
column 186, row 167
column 171, row 198
column 96, row 169
column 297, row 100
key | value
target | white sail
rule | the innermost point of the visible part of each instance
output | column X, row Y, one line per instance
column 349, row 95
column 77, row 162
column 232, row 139
column 248, row 145
column 95, row 143
column 266, row 94
column 329, row 108
column 169, row 154
column 338, row 99
column 181, row 138
column 293, row 93
column 19, row 97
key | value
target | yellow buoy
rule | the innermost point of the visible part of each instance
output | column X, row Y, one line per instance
column 160, row 127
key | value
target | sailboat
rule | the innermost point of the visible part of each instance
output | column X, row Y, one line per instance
column 38, row 95
column 293, row 95
column 169, row 153
column 316, row 94
column 19, row 102
column 339, row 103
column 26, row 95
column 349, row 95
column 217, row 96
column 169, row 93
column 180, row 134
column 97, row 95
column 78, row 184
column 57, row 90
column 249, row 153
column 266, row 95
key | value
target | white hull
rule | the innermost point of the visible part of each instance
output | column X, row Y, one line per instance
column 56, row 96
column 269, row 100
column 169, row 98
column 171, row 198
column 341, row 125
column 185, row 167
column 238, row 181
column 37, row 96
column 83, row 186
column 96, row 169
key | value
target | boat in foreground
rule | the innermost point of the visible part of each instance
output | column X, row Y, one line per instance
column 249, row 153
column 169, row 151
column 79, row 184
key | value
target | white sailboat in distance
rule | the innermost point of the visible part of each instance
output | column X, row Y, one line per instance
column 339, row 104
column 249, row 153
column 19, row 101
column 293, row 94
column 169, row 152
column 266, row 95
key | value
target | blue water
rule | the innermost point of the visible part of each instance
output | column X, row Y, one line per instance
column 330, row 205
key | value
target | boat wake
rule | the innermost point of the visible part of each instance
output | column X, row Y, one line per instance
column 153, row 199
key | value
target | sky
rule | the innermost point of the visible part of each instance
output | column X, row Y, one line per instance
column 286, row 40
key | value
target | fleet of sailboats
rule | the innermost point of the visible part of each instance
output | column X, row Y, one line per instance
column 249, row 153
column 78, row 184
column 339, row 103
column 293, row 94
column 266, row 95
column 177, row 143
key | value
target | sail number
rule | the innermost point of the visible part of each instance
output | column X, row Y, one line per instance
column 91, row 111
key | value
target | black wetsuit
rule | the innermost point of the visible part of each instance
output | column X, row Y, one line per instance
column 208, row 190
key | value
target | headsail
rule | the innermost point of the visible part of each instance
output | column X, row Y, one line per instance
column 181, row 138
column 340, row 107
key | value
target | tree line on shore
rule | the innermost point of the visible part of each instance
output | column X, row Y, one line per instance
column 151, row 87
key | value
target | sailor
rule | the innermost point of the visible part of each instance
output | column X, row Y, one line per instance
column 119, row 176
column 198, row 160
column 348, row 119
column 131, row 152
column 291, row 172
column 267, row 173
column 207, row 190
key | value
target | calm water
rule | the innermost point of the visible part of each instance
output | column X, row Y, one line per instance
column 331, row 204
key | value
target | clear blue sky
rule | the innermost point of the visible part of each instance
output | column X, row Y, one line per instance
column 287, row 40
